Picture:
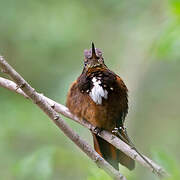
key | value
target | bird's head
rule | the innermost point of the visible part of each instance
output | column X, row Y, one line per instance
column 93, row 59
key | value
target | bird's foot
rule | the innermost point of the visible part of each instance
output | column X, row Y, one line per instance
column 118, row 130
column 97, row 130
column 121, row 133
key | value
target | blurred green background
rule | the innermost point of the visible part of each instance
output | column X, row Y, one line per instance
column 45, row 40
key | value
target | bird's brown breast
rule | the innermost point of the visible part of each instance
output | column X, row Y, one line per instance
column 99, row 97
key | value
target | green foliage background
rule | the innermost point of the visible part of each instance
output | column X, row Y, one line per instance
column 44, row 41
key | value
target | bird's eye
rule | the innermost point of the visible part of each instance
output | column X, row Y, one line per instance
column 85, row 63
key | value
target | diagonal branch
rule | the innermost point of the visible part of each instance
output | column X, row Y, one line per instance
column 54, row 116
column 118, row 143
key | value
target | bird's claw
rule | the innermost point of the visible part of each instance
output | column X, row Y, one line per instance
column 97, row 130
column 117, row 130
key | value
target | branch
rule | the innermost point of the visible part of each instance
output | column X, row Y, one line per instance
column 115, row 141
column 44, row 105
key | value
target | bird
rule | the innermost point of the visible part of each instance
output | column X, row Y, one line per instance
column 100, row 97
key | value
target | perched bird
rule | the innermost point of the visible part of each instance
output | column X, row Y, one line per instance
column 99, row 96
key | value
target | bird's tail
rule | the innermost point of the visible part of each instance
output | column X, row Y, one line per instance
column 111, row 154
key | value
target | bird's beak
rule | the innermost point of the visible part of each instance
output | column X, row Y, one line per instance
column 93, row 55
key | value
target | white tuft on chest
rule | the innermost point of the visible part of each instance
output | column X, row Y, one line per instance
column 97, row 91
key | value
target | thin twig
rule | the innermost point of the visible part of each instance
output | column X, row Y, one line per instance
column 118, row 143
column 44, row 105
column 104, row 134
column 11, row 86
